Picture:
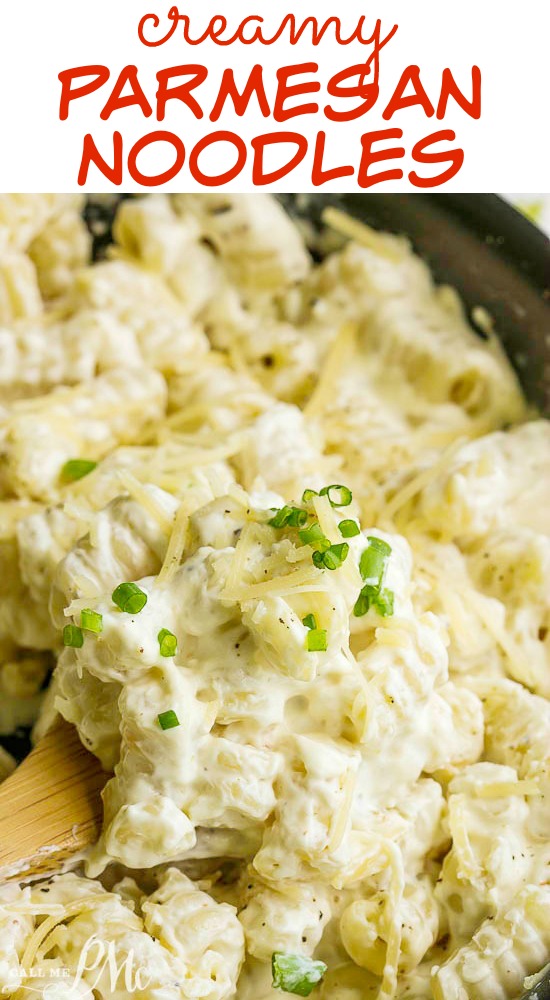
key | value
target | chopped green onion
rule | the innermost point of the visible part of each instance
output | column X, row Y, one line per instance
column 73, row 636
column 339, row 496
column 77, row 468
column 309, row 621
column 92, row 621
column 280, row 517
column 168, row 720
column 130, row 598
column 314, row 535
column 307, row 495
column 372, row 565
column 374, row 559
column 364, row 601
column 372, row 597
column 384, row 603
column 167, row 642
column 331, row 558
column 316, row 640
column 335, row 556
column 349, row 529
column 297, row 517
column 296, row 973
column 293, row 516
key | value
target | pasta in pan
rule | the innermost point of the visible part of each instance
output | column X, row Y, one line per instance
column 280, row 526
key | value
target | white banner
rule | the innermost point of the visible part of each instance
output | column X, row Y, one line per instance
column 392, row 96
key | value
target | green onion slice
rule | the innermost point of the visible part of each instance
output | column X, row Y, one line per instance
column 339, row 496
column 372, row 597
column 331, row 558
column 295, row 517
column 374, row 559
column 129, row 598
column 313, row 535
column 372, row 565
column 349, row 529
column 296, row 974
column 335, row 556
column 309, row 621
column 92, row 621
column 384, row 603
column 280, row 517
column 364, row 601
column 77, row 468
column 316, row 640
column 168, row 720
column 167, row 642
column 73, row 636
column 307, row 495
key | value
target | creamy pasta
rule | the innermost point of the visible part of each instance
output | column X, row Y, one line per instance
column 279, row 528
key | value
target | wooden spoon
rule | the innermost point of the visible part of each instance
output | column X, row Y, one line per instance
column 50, row 807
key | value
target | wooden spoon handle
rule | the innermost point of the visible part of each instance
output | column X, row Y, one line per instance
column 50, row 807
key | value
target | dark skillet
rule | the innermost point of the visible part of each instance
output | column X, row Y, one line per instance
column 478, row 244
